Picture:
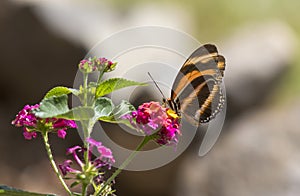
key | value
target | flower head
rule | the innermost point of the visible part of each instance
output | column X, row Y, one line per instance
column 32, row 124
column 106, row 65
column 25, row 117
column 66, row 168
column 87, row 66
column 92, row 64
column 28, row 135
column 61, row 125
column 153, row 119
column 93, row 169
column 106, row 158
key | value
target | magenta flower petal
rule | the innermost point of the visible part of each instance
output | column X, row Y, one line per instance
column 25, row 117
column 61, row 133
column 93, row 142
column 63, row 123
column 71, row 124
column 29, row 135
column 66, row 167
column 105, row 152
column 102, row 60
column 152, row 118
column 105, row 158
column 73, row 151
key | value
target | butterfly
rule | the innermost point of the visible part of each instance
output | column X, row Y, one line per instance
column 196, row 92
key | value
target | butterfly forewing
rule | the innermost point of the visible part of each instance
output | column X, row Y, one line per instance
column 196, row 90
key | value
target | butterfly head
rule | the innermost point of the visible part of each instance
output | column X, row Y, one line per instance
column 172, row 105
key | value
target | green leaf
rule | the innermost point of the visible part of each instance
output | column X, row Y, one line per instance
column 52, row 107
column 9, row 191
column 123, row 108
column 113, row 84
column 111, row 119
column 59, row 90
column 74, row 184
column 115, row 117
column 58, row 107
column 103, row 107
column 78, row 113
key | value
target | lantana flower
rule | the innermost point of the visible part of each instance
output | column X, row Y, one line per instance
column 154, row 119
column 92, row 64
column 32, row 124
column 105, row 159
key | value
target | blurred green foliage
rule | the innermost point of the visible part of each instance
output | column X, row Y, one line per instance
column 217, row 19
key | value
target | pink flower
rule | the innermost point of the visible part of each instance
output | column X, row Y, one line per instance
column 87, row 66
column 63, row 123
column 25, row 117
column 92, row 64
column 66, row 168
column 153, row 119
column 105, row 157
column 32, row 124
column 102, row 60
column 61, row 133
column 29, row 135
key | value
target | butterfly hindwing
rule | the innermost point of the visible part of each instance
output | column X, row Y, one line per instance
column 196, row 89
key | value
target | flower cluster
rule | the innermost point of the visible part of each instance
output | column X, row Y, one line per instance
column 105, row 158
column 153, row 119
column 92, row 64
column 32, row 124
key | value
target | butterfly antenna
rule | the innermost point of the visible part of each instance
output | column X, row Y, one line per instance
column 157, row 86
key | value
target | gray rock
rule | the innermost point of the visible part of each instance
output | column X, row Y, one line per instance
column 257, row 56
column 33, row 60
column 259, row 156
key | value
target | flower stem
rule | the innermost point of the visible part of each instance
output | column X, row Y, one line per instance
column 84, row 189
column 125, row 163
column 85, row 89
column 100, row 76
column 87, row 126
column 53, row 164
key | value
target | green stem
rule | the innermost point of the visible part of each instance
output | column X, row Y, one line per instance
column 53, row 164
column 85, row 88
column 84, row 189
column 100, row 76
column 87, row 129
column 85, row 124
column 88, row 126
column 86, row 133
column 125, row 163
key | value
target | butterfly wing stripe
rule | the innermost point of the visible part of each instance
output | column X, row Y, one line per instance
column 203, row 52
column 196, row 91
column 209, row 100
column 205, row 57
column 184, row 76
column 210, row 105
column 221, row 64
column 217, row 62
column 189, row 78
column 192, row 96
column 202, row 59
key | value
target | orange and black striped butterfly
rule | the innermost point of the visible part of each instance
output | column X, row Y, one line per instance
column 196, row 93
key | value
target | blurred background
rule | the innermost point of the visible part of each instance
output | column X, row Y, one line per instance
column 42, row 41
